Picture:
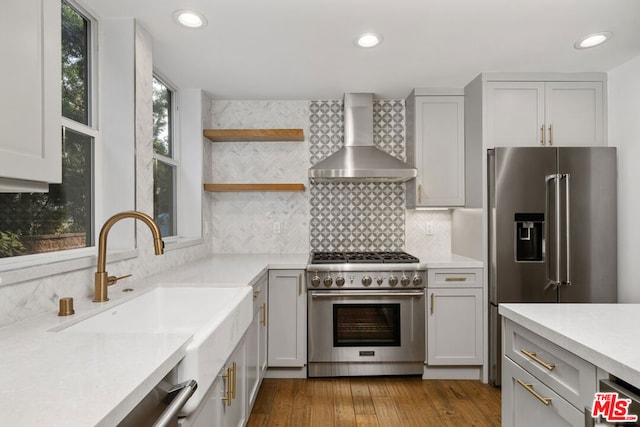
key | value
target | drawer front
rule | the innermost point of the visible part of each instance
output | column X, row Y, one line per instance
column 570, row 376
column 527, row 402
column 454, row 278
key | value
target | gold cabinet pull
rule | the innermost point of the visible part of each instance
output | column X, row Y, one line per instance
column 419, row 193
column 531, row 355
column 542, row 133
column 264, row 314
column 300, row 284
column 227, row 399
column 455, row 279
column 545, row 400
column 551, row 134
column 233, row 383
column 433, row 302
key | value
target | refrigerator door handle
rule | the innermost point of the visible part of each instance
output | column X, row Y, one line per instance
column 567, row 180
column 555, row 178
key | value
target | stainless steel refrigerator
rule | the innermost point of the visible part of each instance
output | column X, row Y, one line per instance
column 552, row 230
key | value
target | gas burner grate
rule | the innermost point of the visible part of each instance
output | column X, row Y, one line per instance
column 362, row 258
column 328, row 258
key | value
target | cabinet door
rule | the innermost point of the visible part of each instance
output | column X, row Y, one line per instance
column 515, row 114
column 211, row 409
column 257, row 342
column 439, row 133
column 30, row 142
column 454, row 326
column 522, row 408
column 235, row 414
column 574, row 113
column 287, row 323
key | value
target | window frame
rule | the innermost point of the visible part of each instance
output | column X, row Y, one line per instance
column 173, row 161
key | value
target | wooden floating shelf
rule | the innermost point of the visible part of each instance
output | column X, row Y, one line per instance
column 235, row 135
column 253, row 187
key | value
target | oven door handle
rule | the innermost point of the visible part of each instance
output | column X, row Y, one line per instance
column 340, row 294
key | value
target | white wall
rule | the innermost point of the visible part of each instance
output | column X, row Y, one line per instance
column 624, row 133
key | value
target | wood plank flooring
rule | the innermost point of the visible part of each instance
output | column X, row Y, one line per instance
column 377, row 401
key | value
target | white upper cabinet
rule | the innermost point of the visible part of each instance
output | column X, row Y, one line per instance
column 526, row 114
column 30, row 142
column 529, row 110
column 435, row 145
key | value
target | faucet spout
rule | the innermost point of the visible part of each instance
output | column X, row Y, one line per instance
column 102, row 279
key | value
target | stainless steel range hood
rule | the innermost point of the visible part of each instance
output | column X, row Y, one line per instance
column 359, row 160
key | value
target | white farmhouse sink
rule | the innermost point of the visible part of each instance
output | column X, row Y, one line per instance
column 217, row 318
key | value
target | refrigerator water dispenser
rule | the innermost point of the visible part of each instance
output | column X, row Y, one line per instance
column 529, row 237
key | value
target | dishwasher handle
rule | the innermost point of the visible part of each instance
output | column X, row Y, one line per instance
column 178, row 397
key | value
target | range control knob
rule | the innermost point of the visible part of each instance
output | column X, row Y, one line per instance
column 340, row 281
column 404, row 280
column 328, row 281
column 366, row 280
column 393, row 280
column 380, row 280
column 417, row 280
column 315, row 281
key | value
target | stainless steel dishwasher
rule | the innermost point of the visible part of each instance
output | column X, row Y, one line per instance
column 161, row 406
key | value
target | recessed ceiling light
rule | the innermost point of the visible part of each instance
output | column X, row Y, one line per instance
column 189, row 18
column 368, row 40
column 592, row 40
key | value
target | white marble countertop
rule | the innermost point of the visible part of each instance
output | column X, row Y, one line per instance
column 52, row 379
column 448, row 261
column 602, row 334
column 95, row 380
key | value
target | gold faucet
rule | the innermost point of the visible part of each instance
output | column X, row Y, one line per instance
column 103, row 280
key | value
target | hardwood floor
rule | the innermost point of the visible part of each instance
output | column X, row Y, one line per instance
column 377, row 401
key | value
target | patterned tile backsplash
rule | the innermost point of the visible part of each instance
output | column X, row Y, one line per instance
column 356, row 216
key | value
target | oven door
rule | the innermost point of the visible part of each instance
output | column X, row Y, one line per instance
column 350, row 329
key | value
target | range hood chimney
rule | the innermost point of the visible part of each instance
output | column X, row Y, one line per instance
column 359, row 160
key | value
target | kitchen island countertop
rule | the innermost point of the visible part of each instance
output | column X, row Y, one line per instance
column 602, row 334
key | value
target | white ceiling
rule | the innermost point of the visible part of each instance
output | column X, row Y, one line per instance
column 303, row 49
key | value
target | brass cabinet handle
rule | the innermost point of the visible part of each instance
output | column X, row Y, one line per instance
column 433, row 302
column 227, row 399
column 532, row 356
column 233, row 383
column 551, row 134
column 264, row 314
column 455, row 279
column 419, row 193
column 300, row 284
column 545, row 400
column 542, row 132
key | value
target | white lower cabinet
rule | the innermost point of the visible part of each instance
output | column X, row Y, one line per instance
column 454, row 317
column 287, row 319
column 225, row 404
column 543, row 384
column 454, row 327
column 257, row 341
column 526, row 401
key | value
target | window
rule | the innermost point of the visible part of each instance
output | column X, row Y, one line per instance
column 61, row 219
column 164, row 166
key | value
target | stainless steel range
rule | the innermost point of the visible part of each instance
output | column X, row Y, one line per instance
column 366, row 314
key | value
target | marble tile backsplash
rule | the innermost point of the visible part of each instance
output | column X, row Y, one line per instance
column 327, row 216
column 244, row 222
column 356, row 216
